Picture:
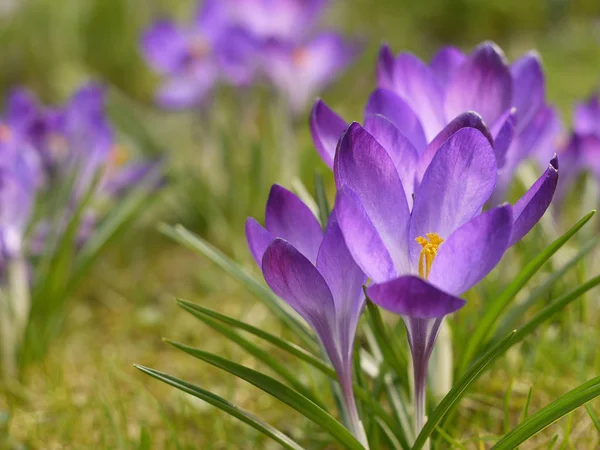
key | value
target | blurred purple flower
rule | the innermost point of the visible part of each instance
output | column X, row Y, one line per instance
column 427, row 103
column 581, row 151
column 315, row 274
column 300, row 71
column 423, row 252
column 194, row 58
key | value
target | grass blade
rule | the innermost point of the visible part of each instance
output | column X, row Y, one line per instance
column 456, row 393
column 224, row 405
column 494, row 309
column 283, row 312
column 550, row 414
column 594, row 417
column 321, row 198
column 280, row 391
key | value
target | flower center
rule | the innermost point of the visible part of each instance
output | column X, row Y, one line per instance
column 430, row 245
column 300, row 56
column 5, row 133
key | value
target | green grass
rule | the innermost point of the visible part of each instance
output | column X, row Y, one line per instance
column 87, row 394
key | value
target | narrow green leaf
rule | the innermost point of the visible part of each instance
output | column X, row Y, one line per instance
column 460, row 387
column 494, row 309
column 224, row 405
column 390, row 352
column 550, row 414
column 512, row 318
column 283, row 312
column 593, row 416
column 321, row 198
column 263, row 356
column 525, row 413
column 362, row 394
column 280, row 391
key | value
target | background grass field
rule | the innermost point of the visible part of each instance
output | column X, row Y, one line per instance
column 86, row 393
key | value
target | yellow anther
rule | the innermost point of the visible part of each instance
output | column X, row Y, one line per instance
column 430, row 245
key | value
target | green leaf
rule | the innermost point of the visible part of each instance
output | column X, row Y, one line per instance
column 200, row 312
column 550, row 414
column 321, row 197
column 593, row 416
column 280, row 391
column 459, row 389
column 513, row 317
column 258, row 289
column 494, row 309
column 263, row 356
column 224, row 405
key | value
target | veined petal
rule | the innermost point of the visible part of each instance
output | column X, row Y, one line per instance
column 413, row 297
column 403, row 153
column 296, row 280
column 472, row 251
column 396, row 110
column 416, row 83
column 468, row 119
column 482, row 84
column 531, row 207
column 363, row 166
column 528, row 88
column 164, row 46
column 288, row 218
column 362, row 238
column 344, row 279
column 258, row 239
column 385, row 68
column 504, row 131
column 456, row 185
column 446, row 63
column 326, row 128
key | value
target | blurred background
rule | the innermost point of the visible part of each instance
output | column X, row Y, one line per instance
column 86, row 393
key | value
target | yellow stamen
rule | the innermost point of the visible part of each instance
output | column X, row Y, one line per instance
column 430, row 245
column 119, row 155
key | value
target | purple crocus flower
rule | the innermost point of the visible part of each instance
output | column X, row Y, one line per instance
column 314, row 273
column 289, row 20
column 193, row 58
column 427, row 103
column 581, row 152
column 423, row 253
column 300, row 71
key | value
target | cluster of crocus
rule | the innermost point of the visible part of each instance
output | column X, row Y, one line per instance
column 412, row 185
column 426, row 103
column 57, row 163
column 240, row 41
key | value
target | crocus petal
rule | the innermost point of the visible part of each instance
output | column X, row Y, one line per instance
column 472, row 251
column 414, row 297
column 294, row 278
column 187, row 90
column 531, row 207
column 468, row 119
column 394, row 108
column 212, row 18
column 363, row 166
column 164, row 46
column 326, row 128
column 504, row 131
column 344, row 279
column 403, row 153
column 416, row 83
column 385, row 68
column 236, row 52
column 590, row 153
column 362, row 238
column 258, row 239
column 587, row 116
column 528, row 88
column 482, row 84
column 288, row 218
column 22, row 109
column 446, row 63
column 457, row 183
